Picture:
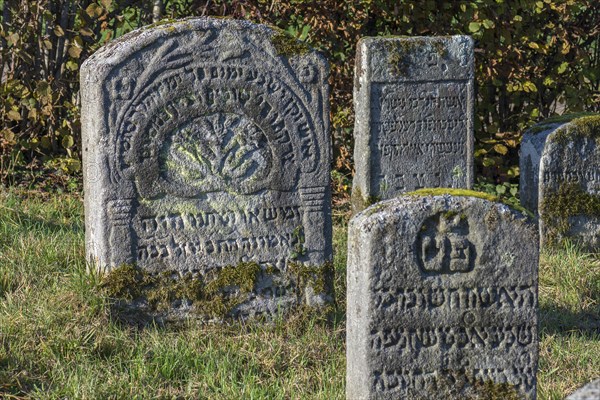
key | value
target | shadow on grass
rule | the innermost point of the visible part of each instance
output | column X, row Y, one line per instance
column 557, row 320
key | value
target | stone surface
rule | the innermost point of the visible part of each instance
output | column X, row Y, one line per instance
column 414, row 105
column 569, row 183
column 591, row 391
column 442, row 300
column 532, row 145
column 206, row 144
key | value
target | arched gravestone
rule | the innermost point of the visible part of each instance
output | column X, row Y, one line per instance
column 206, row 144
column 442, row 300
column 564, row 156
column 414, row 105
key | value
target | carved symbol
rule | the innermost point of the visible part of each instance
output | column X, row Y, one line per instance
column 443, row 247
column 124, row 88
column 215, row 152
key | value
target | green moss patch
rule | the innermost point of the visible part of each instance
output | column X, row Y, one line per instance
column 583, row 127
column 215, row 295
column 288, row 46
column 568, row 201
column 453, row 192
column 585, row 121
column 468, row 193
column 319, row 277
column 360, row 202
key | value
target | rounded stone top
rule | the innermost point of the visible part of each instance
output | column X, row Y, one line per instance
column 274, row 40
column 569, row 125
column 448, row 199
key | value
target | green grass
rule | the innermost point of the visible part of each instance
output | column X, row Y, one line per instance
column 60, row 338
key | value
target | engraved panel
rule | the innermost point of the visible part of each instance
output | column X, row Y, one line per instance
column 414, row 107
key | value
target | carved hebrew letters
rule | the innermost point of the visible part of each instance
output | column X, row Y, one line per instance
column 212, row 149
column 439, row 301
column 414, row 106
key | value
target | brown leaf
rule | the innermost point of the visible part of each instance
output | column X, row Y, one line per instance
column 74, row 51
column 85, row 31
column 14, row 115
column 58, row 31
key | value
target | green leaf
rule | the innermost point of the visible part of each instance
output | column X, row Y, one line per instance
column 501, row 189
column 474, row 27
column 488, row 24
column 14, row 115
column 72, row 65
column 562, row 67
column 501, row 149
column 67, row 141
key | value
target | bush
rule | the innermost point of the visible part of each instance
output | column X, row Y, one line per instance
column 534, row 59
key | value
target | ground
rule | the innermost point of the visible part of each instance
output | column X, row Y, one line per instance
column 60, row 337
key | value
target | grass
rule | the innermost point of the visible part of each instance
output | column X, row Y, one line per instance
column 59, row 337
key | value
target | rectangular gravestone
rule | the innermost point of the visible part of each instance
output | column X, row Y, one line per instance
column 442, row 300
column 560, row 170
column 206, row 149
column 414, row 105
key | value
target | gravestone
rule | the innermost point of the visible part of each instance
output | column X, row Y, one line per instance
column 206, row 155
column 568, row 180
column 532, row 146
column 591, row 391
column 442, row 300
column 414, row 105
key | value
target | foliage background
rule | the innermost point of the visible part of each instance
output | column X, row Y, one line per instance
column 533, row 59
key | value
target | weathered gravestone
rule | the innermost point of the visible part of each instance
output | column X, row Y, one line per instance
column 442, row 300
column 206, row 156
column 414, row 105
column 560, row 171
column 591, row 391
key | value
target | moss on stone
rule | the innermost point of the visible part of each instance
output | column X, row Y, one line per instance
column 287, row 45
column 496, row 391
column 558, row 206
column 582, row 127
column 216, row 295
column 453, row 192
column 241, row 277
column 468, row 193
column 319, row 277
column 299, row 249
column 399, row 51
column 360, row 202
column 545, row 125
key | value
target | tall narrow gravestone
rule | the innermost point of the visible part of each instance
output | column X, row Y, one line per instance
column 442, row 300
column 414, row 107
column 206, row 156
column 564, row 156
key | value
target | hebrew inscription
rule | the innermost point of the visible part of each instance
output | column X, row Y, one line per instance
column 205, row 147
column 441, row 303
column 414, row 107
